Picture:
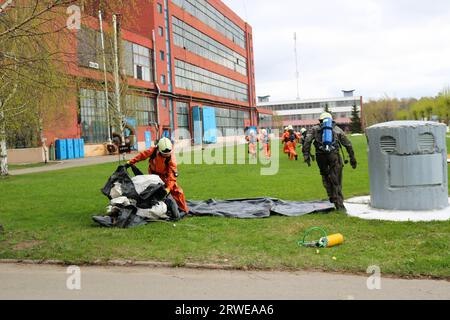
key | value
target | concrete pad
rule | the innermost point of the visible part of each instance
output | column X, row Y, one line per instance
column 360, row 207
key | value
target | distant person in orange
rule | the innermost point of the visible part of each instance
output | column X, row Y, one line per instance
column 162, row 163
column 252, row 143
column 290, row 139
column 283, row 139
column 265, row 140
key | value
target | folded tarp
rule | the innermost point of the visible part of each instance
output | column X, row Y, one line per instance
column 256, row 208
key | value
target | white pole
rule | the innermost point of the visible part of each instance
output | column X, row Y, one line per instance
column 116, row 79
column 297, row 74
column 105, row 75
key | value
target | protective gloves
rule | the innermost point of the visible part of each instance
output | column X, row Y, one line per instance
column 353, row 163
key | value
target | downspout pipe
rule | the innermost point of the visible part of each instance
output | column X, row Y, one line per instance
column 155, row 79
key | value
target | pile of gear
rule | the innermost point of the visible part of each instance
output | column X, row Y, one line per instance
column 136, row 201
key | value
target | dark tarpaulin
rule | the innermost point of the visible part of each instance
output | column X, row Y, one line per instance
column 126, row 216
column 256, row 208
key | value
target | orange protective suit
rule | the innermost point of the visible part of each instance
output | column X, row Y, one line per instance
column 252, row 143
column 291, row 145
column 283, row 139
column 266, row 145
column 166, row 169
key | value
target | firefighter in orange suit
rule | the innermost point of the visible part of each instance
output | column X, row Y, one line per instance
column 162, row 163
column 265, row 140
column 283, row 139
column 290, row 140
column 252, row 143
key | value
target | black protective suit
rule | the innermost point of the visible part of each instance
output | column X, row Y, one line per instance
column 330, row 161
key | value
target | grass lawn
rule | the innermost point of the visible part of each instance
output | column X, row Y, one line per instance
column 48, row 216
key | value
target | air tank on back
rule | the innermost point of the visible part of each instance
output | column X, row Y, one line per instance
column 327, row 135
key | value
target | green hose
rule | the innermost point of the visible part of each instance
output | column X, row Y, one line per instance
column 319, row 244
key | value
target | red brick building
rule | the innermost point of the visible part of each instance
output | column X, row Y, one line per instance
column 189, row 65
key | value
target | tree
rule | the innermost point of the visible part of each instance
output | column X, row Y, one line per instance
column 443, row 105
column 382, row 110
column 28, row 72
column 356, row 120
column 33, row 61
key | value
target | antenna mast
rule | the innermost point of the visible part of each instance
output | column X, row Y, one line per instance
column 297, row 74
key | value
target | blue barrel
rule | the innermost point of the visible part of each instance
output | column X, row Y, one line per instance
column 76, row 148
column 70, row 151
column 327, row 137
column 81, row 148
column 61, row 149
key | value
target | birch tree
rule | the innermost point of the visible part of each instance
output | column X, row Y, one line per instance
column 32, row 61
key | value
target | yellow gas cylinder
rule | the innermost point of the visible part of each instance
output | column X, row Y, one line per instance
column 332, row 240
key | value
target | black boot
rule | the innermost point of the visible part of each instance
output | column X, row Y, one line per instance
column 296, row 158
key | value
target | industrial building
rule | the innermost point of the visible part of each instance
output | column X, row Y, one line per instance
column 188, row 65
column 305, row 113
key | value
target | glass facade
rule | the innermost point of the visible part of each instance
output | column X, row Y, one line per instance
column 209, row 15
column 199, row 43
column 141, row 63
column 182, row 117
column 137, row 60
column 313, row 105
column 142, row 109
column 265, row 121
column 231, row 122
column 193, row 78
column 94, row 126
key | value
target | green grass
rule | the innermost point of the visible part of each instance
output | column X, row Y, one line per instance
column 48, row 216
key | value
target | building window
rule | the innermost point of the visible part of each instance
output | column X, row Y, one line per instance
column 94, row 127
column 163, row 79
column 141, row 62
column 142, row 109
column 164, row 103
column 231, row 122
column 209, row 15
column 160, row 8
column 162, row 55
column 182, row 118
column 161, row 31
column 191, row 39
column 193, row 78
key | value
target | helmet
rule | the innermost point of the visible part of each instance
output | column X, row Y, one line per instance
column 263, row 132
column 286, row 128
column 325, row 115
column 290, row 128
column 165, row 146
column 303, row 130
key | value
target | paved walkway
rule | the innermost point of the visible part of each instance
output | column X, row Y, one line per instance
column 50, row 282
column 89, row 161
column 66, row 164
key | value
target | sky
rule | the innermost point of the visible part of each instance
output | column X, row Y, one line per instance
column 399, row 48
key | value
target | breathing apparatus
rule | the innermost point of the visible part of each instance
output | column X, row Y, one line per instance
column 326, row 122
